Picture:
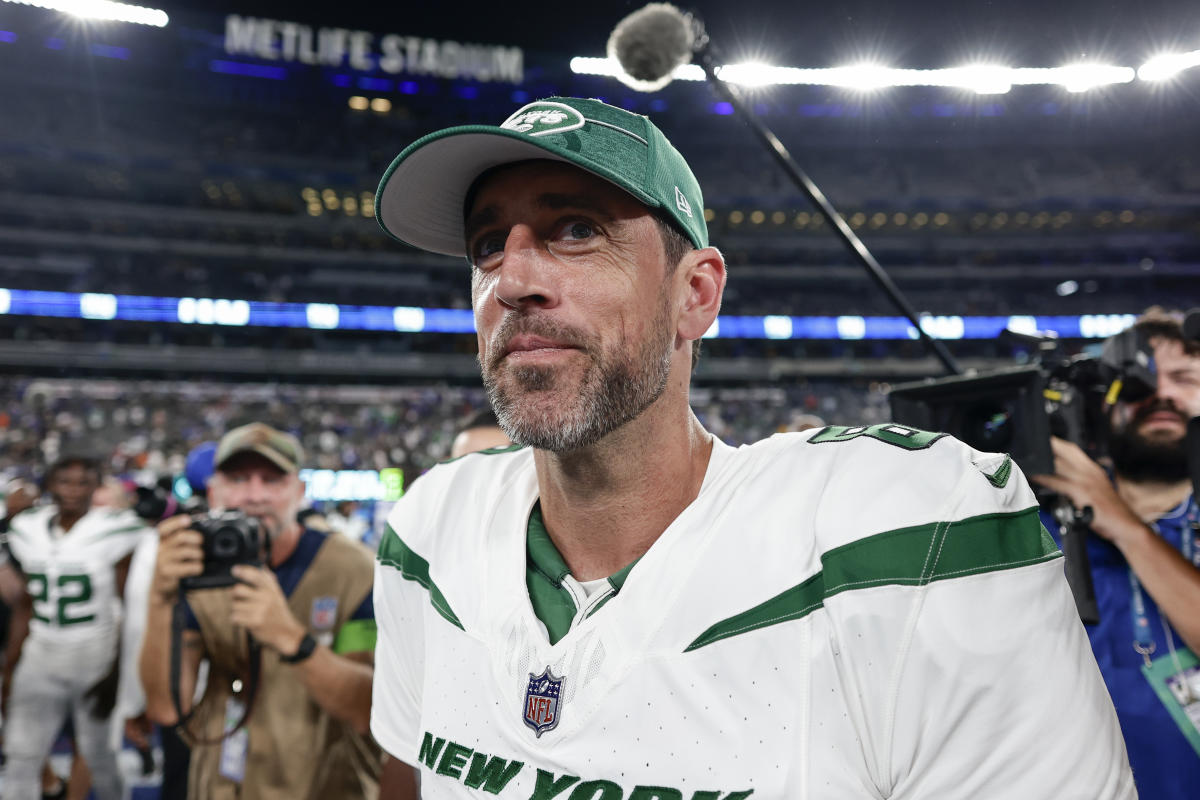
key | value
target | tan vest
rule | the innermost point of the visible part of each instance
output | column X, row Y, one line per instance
column 296, row 750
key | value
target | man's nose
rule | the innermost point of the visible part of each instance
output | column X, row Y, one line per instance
column 526, row 273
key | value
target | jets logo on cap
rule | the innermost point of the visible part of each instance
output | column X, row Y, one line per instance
column 539, row 119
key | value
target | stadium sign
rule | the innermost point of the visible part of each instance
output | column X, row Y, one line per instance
column 275, row 40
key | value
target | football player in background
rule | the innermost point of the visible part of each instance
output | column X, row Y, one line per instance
column 74, row 559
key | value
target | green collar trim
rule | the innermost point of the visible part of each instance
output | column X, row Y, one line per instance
column 553, row 603
column 543, row 555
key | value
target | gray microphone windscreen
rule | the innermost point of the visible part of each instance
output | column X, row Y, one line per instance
column 650, row 44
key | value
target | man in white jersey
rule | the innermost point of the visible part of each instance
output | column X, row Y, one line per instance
column 622, row 607
column 74, row 559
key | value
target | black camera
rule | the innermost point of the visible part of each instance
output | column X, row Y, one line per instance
column 1016, row 410
column 230, row 538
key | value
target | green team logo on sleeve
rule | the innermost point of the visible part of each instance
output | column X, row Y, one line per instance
column 888, row 432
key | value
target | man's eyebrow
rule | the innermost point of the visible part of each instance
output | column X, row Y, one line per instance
column 550, row 200
column 480, row 219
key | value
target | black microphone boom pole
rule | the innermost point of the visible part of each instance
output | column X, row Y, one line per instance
column 632, row 42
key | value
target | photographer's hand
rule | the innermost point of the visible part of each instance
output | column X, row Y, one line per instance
column 180, row 555
column 1085, row 483
column 260, row 607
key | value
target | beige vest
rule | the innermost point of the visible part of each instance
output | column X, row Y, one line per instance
column 295, row 750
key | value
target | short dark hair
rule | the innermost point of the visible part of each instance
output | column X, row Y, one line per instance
column 1159, row 323
column 87, row 463
column 676, row 245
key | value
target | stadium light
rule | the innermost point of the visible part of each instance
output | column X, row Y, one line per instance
column 981, row 78
column 1168, row 65
column 101, row 10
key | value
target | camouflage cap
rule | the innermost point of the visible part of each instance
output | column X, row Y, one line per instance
column 281, row 449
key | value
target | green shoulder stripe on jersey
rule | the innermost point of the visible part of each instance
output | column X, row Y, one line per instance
column 395, row 553
column 356, row 636
column 126, row 529
column 911, row 556
column 999, row 478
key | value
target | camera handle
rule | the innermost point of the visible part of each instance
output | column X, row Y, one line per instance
column 1074, row 528
column 255, row 657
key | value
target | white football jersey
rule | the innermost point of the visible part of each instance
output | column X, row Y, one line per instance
column 71, row 577
column 869, row 612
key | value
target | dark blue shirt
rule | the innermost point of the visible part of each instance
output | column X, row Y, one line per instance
column 1165, row 767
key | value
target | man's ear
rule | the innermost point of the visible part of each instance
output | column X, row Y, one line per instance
column 704, row 273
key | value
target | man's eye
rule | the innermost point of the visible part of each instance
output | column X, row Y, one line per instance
column 577, row 231
column 487, row 246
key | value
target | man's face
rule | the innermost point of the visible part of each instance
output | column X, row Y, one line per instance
column 252, row 484
column 72, row 488
column 1148, row 435
column 573, row 303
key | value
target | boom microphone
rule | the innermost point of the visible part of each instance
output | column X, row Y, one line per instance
column 1191, row 325
column 654, row 41
column 650, row 44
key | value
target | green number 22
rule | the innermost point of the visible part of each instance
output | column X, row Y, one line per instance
column 72, row 590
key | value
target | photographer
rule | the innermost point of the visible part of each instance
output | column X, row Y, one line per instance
column 1144, row 560
column 310, row 616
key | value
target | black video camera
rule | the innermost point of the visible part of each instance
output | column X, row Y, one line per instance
column 230, row 538
column 1016, row 410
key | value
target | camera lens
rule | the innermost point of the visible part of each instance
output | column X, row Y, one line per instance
column 988, row 426
column 226, row 543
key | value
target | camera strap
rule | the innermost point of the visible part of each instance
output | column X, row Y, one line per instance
column 254, row 650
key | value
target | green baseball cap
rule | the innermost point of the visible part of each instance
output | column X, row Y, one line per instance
column 421, row 197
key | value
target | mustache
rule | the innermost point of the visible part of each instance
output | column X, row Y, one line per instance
column 517, row 324
column 1154, row 408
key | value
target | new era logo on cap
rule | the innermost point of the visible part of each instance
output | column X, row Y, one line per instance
column 682, row 203
column 539, row 119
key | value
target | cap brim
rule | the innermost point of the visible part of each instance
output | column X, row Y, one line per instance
column 421, row 196
column 266, row 452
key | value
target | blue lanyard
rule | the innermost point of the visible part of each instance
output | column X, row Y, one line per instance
column 1143, row 639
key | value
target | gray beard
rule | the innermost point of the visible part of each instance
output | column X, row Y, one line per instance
column 615, row 389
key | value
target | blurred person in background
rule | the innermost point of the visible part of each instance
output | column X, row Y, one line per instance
column 131, row 699
column 481, row 432
column 1145, row 563
column 311, row 610
column 346, row 520
column 74, row 559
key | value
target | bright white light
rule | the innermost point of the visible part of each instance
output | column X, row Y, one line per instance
column 97, row 306
column 851, row 327
column 610, row 68
column 864, row 77
column 408, row 319
column 1081, row 77
column 324, row 316
column 713, row 331
column 1168, row 65
column 1066, row 288
column 777, row 327
column 5, row 301
column 1023, row 324
column 101, row 9
column 979, row 78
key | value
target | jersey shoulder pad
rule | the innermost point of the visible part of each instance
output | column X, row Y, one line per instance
column 889, row 477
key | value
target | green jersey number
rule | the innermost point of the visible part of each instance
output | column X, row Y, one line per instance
column 73, row 590
column 888, row 432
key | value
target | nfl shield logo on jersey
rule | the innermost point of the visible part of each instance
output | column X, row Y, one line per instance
column 541, row 701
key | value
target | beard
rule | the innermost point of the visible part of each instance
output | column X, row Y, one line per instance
column 1139, row 458
column 538, row 407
